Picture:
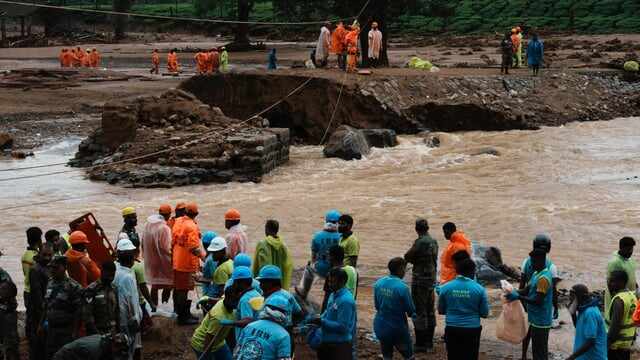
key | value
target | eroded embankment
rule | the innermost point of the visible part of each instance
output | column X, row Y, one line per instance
column 413, row 103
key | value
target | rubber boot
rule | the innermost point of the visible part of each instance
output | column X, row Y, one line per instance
column 185, row 317
column 428, row 338
column 188, row 311
column 420, row 340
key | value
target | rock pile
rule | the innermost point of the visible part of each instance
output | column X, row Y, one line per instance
column 190, row 143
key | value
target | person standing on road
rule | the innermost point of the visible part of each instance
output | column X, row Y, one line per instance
column 506, row 48
column 457, row 242
column 214, row 61
column 237, row 239
column 591, row 335
column 38, row 281
column 375, row 45
column 155, row 62
column 463, row 302
column 130, row 219
column 424, row 257
column 348, row 240
column 224, row 60
column 337, row 44
column 393, row 304
column 535, row 54
column 273, row 251
column 622, row 260
column 619, row 317
column 201, row 59
column 515, row 40
column 272, row 60
column 320, row 244
column 351, row 44
column 34, row 243
column 156, row 251
column 79, row 265
column 124, row 282
column 172, row 62
column 323, row 46
column 538, row 297
column 101, row 314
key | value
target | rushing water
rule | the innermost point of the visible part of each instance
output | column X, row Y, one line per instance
column 574, row 182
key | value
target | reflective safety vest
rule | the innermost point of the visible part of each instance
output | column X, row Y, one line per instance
column 628, row 329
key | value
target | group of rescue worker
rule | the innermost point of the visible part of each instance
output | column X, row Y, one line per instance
column 207, row 62
column 511, row 50
column 78, row 309
column 344, row 43
column 77, row 57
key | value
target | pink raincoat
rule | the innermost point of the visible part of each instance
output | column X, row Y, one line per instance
column 237, row 241
column 156, row 251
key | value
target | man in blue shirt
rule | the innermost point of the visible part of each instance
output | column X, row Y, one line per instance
column 320, row 244
column 245, row 312
column 538, row 297
column 270, row 278
column 338, row 320
column 591, row 335
column 266, row 339
column 393, row 304
column 463, row 302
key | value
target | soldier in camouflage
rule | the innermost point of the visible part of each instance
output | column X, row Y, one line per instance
column 8, row 317
column 63, row 307
column 95, row 347
column 100, row 303
column 424, row 257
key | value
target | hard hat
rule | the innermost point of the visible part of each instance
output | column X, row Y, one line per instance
column 128, row 211
column 542, row 241
column 278, row 302
column 192, row 208
column 181, row 205
column 207, row 237
column 332, row 216
column 125, row 245
column 165, row 209
column 241, row 273
column 242, row 259
column 270, row 272
column 78, row 237
column 232, row 214
column 513, row 30
column 217, row 244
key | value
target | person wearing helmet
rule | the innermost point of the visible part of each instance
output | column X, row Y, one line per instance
column 156, row 252
column 130, row 313
column 237, row 239
column 130, row 219
column 208, row 340
column 267, row 336
column 96, row 347
column 321, row 242
column 270, row 278
column 186, row 261
column 273, row 251
column 245, row 312
column 80, row 266
column 63, row 307
column 224, row 270
column 209, row 266
column 517, row 47
column 243, row 259
column 179, row 214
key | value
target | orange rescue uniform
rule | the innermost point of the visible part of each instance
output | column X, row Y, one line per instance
column 202, row 60
column 186, row 237
column 214, row 62
column 94, row 59
column 81, row 268
column 172, row 62
column 458, row 242
column 79, row 58
column 337, row 40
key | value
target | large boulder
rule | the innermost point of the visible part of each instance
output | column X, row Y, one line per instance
column 347, row 143
column 6, row 141
column 380, row 138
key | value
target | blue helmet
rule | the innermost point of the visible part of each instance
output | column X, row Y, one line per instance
column 242, row 259
column 240, row 273
column 332, row 216
column 270, row 272
column 207, row 237
column 279, row 302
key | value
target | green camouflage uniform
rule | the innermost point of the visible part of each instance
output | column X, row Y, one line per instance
column 8, row 317
column 63, row 309
column 100, row 308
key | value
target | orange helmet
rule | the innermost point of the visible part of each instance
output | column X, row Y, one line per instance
column 78, row 237
column 232, row 214
column 192, row 208
column 165, row 209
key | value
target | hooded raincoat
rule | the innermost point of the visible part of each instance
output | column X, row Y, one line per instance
column 156, row 251
column 237, row 241
column 273, row 251
column 458, row 242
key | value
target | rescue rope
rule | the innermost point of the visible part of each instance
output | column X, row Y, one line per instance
column 335, row 109
column 169, row 149
column 165, row 17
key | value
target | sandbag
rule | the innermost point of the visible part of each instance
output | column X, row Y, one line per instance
column 631, row 66
column 512, row 324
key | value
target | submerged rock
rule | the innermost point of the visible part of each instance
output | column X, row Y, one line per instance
column 347, row 143
column 380, row 138
column 6, row 141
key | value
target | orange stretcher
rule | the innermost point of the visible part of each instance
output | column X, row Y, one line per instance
column 99, row 247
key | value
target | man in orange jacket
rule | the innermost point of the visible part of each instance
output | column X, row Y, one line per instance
column 94, row 58
column 186, row 262
column 201, row 59
column 457, row 242
column 155, row 62
column 337, row 44
column 172, row 62
column 80, row 266
column 79, row 59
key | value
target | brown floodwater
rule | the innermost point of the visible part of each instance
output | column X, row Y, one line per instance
column 575, row 183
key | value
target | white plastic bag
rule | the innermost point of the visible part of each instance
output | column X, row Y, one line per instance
column 512, row 324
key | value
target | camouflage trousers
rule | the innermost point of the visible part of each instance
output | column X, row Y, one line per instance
column 9, row 334
column 423, row 295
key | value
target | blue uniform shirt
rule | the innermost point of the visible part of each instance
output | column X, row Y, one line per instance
column 540, row 315
column 590, row 325
column 464, row 302
column 320, row 245
column 209, row 267
column 393, row 303
column 294, row 307
column 265, row 340
column 339, row 318
column 244, row 309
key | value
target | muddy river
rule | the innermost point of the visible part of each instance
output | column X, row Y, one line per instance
column 578, row 183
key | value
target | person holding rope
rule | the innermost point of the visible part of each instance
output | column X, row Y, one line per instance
column 208, row 341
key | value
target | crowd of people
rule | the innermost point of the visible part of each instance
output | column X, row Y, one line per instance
column 77, row 57
column 511, row 49
column 77, row 309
